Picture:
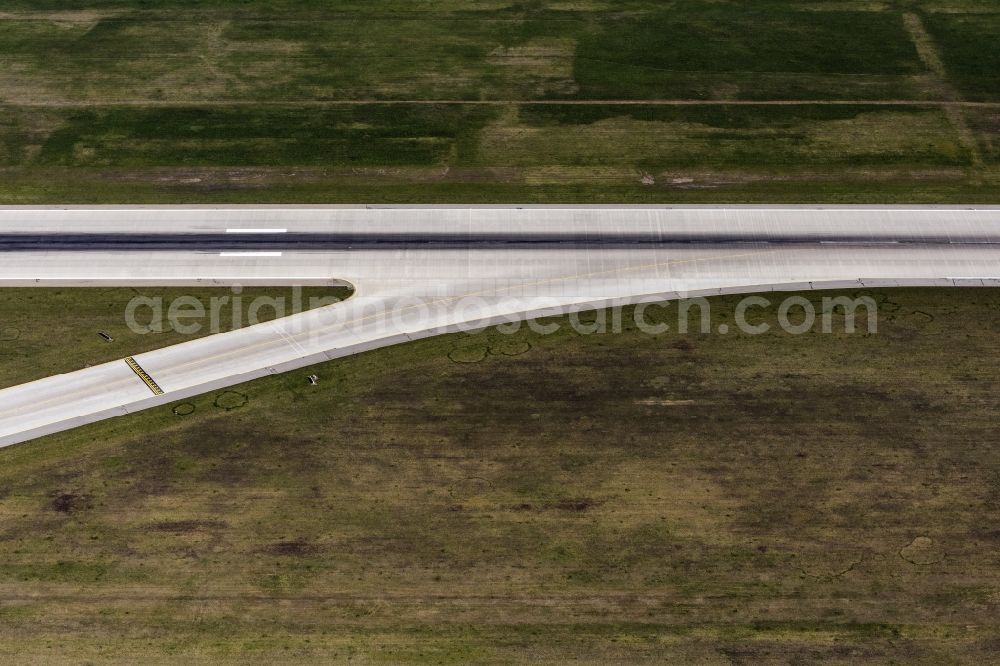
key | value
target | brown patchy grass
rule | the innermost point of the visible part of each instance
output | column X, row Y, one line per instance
column 711, row 498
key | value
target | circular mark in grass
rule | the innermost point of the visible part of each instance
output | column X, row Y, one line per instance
column 228, row 400
column 922, row 317
column 828, row 564
column 9, row 334
column 511, row 348
column 480, row 481
column 183, row 409
column 468, row 354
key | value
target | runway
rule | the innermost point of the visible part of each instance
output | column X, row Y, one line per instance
column 424, row 271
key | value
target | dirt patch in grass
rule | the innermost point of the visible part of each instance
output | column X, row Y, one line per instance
column 579, row 504
column 296, row 548
column 63, row 502
column 179, row 526
column 922, row 551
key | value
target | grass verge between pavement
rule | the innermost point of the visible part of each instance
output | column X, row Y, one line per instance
column 50, row 330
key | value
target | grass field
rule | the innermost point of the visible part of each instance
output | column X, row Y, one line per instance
column 262, row 101
column 969, row 45
column 527, row 498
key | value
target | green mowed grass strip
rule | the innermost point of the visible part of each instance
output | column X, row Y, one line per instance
column 516, row 51
column 765, row 139
column 635, row 58
column 505, row 153
column 496, row 50
column 48, row 330
column 291, row 56
column 986, row 125
column 970, row 48
column 254, row 186
column 364, row 135
column 521, row 498
column 792, row 138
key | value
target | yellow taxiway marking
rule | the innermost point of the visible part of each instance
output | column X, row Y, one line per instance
column 144, row 376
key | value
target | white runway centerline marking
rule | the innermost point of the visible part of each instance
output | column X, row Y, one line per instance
column 256, row 231
column 249, row 254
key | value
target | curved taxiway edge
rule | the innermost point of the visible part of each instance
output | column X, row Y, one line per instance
column 129, row 402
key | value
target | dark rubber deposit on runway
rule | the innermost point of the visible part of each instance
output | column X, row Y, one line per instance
column 340, row 241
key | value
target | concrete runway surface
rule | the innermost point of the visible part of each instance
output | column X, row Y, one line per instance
column 422, row 271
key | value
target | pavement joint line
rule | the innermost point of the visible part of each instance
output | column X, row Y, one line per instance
column 143, row 375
